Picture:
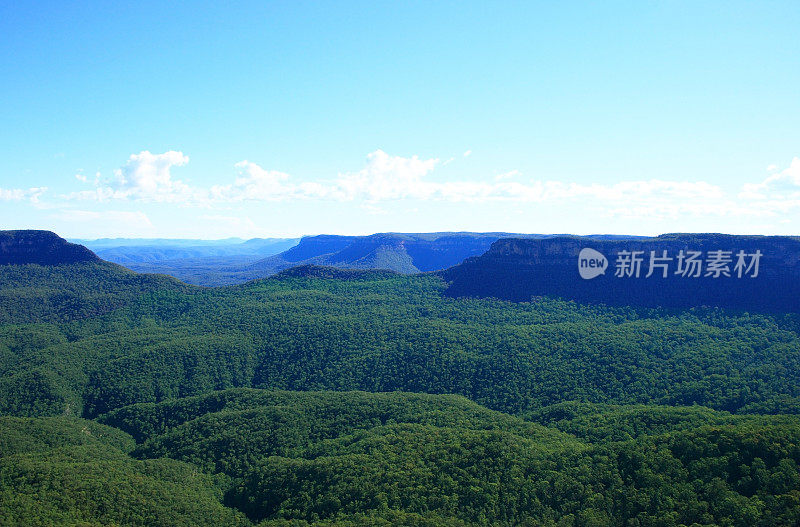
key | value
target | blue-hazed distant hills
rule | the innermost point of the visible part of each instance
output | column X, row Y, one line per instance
column 132, row 251
column 760, row 273
column 232, row 261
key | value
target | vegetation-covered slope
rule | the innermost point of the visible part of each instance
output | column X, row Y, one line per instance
column 380, row 332
column 36, row 293
column 40, row 247
column 217, row 265
column 62, row 471
column 234, row 406
column 521, row 269
column 382, row 459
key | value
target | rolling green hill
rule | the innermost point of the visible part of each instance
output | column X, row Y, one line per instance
column 356, row 397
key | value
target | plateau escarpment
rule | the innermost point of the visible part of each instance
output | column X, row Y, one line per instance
column 759, row 273
column 42, row 248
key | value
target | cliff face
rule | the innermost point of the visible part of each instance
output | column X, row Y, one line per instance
column 312, row 246
column 517, row 270
column 40, row 247
column 446, row 251
column 401, row 252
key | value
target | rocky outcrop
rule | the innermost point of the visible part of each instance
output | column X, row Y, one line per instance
column 40, row 247
column 401, row 252
column 518, row 270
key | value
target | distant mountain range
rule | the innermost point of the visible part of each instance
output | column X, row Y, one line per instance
column 233, row 261
column 400, row 252
column 153, row 251
column 499, row 265
column 199, row 262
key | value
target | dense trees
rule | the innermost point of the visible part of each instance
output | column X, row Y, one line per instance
column 35, row 293
column 383, row 332
column 62, row 471
column 235, row 406
column 316, row 456
column 350, row 458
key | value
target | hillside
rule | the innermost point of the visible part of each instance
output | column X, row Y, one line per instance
column 403, row 253
column 518, row 270
column 46, row 279
column 133, row 339
column 329, row 396
column 226, row 262
column 268, row 458
column 198, row 262
column 41, row 248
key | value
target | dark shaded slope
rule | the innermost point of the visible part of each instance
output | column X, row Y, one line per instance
column 45, row 279
column 400, row 252
column 40, row 247
column 448, row 250
column 313, row 246
column 517, row 270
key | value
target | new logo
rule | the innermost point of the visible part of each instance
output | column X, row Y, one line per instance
column 591, row 263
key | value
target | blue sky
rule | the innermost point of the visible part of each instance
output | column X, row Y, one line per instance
column 288, row 118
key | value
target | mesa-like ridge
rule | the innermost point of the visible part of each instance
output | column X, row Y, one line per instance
column 40, row 247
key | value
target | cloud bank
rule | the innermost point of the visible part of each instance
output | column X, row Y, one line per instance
column 145, row 177
column 148, row 177
column 18, row 194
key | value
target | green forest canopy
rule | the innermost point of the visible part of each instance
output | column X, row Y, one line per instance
column 135, row 399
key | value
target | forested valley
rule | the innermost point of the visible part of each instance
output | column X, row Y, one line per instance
column 335, row 397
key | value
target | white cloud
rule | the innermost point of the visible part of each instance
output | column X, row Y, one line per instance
column 254, row 183
column 511, row 174
column 467, row 153
column 145, row 177
column 388, row 177
column 128, row 218
column 19, row 194
column 783, row 185
column 385, row 177
column 776, row 195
